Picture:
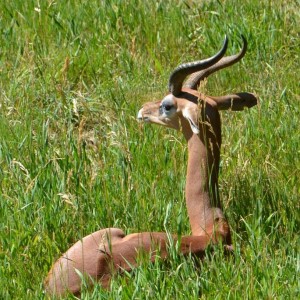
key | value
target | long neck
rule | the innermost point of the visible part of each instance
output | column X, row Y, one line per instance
column 202, row 195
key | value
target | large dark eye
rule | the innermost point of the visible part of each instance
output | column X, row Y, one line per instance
column 167, row 107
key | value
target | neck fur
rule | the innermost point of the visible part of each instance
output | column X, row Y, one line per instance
column 202, row 196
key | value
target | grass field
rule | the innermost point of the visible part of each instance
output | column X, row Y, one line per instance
column 73, row 158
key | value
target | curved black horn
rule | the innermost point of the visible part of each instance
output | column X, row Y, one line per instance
column 194, row 80
column 179, row 74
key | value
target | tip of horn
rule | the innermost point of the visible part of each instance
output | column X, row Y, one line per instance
column 226, row 39
column 225, row 45
column 245, row 43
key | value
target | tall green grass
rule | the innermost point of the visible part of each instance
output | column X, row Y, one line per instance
column 73, row 159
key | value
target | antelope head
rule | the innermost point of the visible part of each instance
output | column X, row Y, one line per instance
column 183, row 101
column 170, row 111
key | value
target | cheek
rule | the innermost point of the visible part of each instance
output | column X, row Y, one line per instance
column 174, row 122
column 171, row 114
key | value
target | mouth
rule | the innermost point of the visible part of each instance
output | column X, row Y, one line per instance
column 142, row 118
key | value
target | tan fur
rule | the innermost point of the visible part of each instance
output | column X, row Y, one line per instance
column 202, row 193
column 99, row 255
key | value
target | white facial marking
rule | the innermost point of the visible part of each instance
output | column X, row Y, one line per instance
column 141, row 116
column 188, row 114
column 167, row 107
column 167, row 98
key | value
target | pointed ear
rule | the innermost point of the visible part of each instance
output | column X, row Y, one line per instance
column 191, row 114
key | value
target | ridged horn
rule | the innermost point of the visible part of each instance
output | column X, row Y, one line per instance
column 194, row 79
column 182, row 71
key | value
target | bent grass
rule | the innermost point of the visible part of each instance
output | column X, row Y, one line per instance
column 73, row 158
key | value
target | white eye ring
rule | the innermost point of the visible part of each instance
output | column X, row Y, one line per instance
column 167, row 105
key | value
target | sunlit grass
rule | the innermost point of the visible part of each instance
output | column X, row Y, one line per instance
column 73, row 159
